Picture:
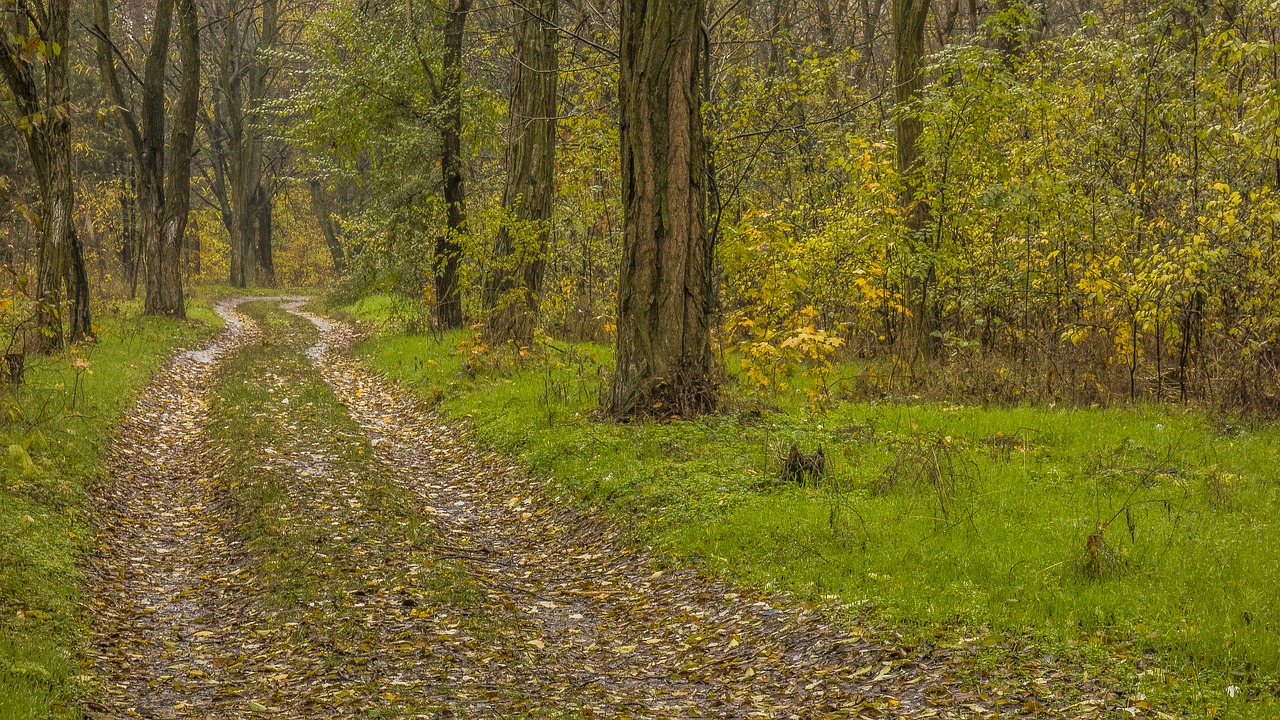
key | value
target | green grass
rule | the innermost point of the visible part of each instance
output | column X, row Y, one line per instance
column 1186, row 587
column 54, row 430
column 215, row 291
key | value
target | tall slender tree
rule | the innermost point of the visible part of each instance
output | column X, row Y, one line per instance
column 515, row 280
column 448, row 95
column 664, row 361
column 36, row 71
column 163, row 188
column 328, row 228
column 908, row 76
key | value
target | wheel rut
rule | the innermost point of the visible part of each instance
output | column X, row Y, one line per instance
column 435, row 579
column 163, row 561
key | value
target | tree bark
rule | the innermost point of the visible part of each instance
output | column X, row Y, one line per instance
column 262, row 247
column 449, row 244
column 47, row 124
column 664, row 361
column 129, row 229
column 164, row 294
column 871, row 12
column 519, row 253
column 908, row 41
column 163, row 198
column 324, row 218
column 151, row 188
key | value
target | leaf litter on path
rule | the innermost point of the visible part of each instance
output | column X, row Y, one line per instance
column 514, row 605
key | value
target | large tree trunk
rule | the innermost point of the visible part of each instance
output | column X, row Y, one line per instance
column 244, row 217
column 519, row 253
column 58, row 199
column 151, row 186
column 47, row 112
column 908, row 41
column 664, row 362
column 164, row 293
column 449, row 244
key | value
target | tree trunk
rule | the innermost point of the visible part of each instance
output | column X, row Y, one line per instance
column 871, row 12
column 81, row 319
column 449, row 244
column 324, row 218
column 908, row 41
column 192, row 249
column 164, row 285
column 129, row 229
column 244, row 220
column 519, row 253
column 151, row 195
column 262, row 248
column 45, row 116
column 664, row 361
column 236, row 140
column 163, row 198
column 244, row 174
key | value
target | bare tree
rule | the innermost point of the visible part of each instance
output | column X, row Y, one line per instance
column 163, row 188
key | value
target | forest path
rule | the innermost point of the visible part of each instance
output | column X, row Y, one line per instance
column 293, row 536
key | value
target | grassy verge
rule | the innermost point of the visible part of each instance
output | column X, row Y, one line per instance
column 1135, row 543
column 213, row 292
column 54, row 429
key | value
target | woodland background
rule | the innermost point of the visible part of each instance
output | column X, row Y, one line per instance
column 1091, row 217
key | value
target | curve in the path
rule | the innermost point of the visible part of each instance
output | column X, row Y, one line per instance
column 588, row 625
column 607, row 630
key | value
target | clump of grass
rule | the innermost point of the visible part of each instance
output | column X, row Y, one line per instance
column 1002, row 446
column 932, row 463
column 804, row 467
column 1221, row 488
column 1101, row 560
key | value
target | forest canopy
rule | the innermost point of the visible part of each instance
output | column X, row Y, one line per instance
column 1000, row 200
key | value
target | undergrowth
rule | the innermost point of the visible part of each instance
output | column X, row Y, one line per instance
column 1133, row 542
